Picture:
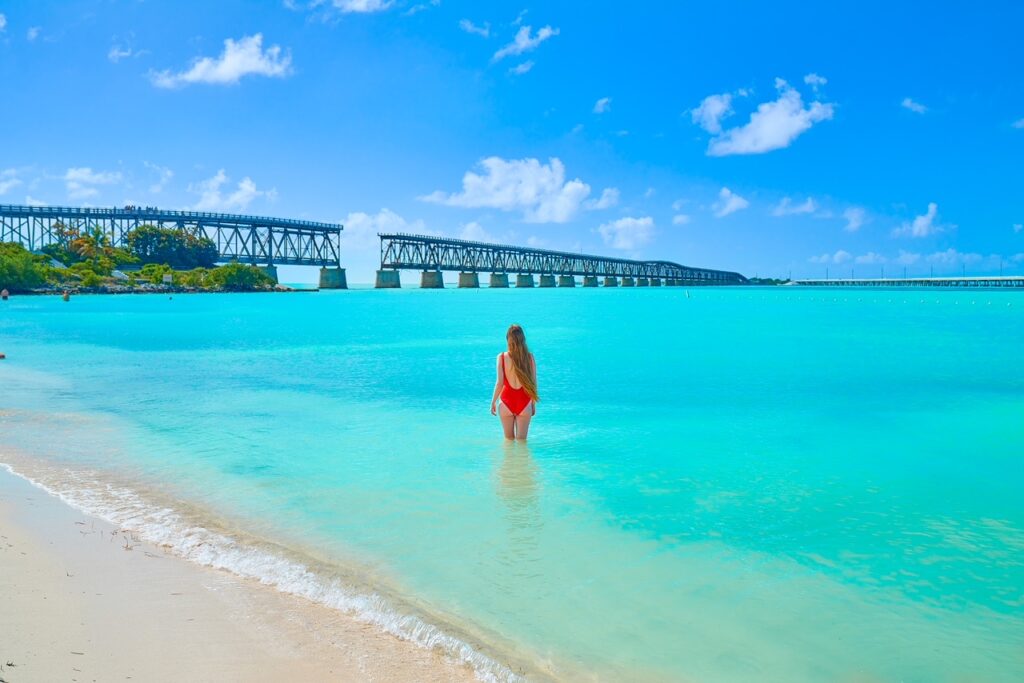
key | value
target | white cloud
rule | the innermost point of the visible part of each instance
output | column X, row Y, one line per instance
column 32, row 33
column 952, row 257
column 361, row 228
column 855, row 217
column 8, row 180
column 787, row 208
column 922, row 226
column 416, row 9
column 163, row 173
column 728, row 202
column 815, row 81
column 1019, row 123
column 469, row 27
column 870, row 258
column 840, row 257
column 81, row 182
column 3, row 22
column 602, row 105
column 521, row 69
column 649, row 192
column 627, row 233
column 539, row 190
column 680, row 219
column 907, row 258
column 475, row 232
column 212, row 199
column 679, row 204
column 524, row 43
column 536, row 242
column 117, row 53
column 362, row 6
column 609, row 198
column 32, row 201
column 712, row 109
column 243, row 58
column 774, row 125
column 1017, row 227
column 913, row 106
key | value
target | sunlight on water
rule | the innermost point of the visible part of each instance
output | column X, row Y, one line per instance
column 747, row 484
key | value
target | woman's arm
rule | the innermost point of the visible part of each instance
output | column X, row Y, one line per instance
column 533, row 366
column 499, row 384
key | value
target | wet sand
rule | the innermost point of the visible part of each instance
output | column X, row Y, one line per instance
column 84, row 601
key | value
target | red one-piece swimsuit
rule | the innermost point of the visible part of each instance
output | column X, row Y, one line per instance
column 515, row 400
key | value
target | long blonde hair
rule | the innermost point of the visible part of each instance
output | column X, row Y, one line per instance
column 520, row 355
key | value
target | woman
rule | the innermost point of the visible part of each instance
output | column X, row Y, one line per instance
column 516, row 386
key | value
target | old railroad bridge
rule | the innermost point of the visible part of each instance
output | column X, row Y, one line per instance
column 269, row 242
column 432, row 255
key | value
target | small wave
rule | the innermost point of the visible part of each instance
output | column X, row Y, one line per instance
column 168, row 528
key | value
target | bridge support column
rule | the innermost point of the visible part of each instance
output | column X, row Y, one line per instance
column 499, row 280
column 590, row 281
column 432, row 279
column 547, row 280
column 611, row 282
column 642, row 282
column 469, row 280
column 524, row 280
column 271, row 270
column 627, row 281
column 387, row 279
column 333, row 278
column 566, row 281
column 655, row 282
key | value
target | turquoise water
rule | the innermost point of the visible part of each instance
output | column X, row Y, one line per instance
column 746, row 484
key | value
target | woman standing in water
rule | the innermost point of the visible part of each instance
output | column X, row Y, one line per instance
column 516, row 386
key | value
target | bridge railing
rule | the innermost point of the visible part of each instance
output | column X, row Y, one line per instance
column 166, row 215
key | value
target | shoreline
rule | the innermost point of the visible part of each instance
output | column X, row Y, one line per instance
column 95, row 600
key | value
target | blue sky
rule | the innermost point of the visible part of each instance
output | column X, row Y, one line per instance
column 769, row 138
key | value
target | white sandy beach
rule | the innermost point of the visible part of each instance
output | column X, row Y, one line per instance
column 84, row 601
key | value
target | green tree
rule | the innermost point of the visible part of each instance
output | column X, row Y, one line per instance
column 238, row 277
column 179, row 249
column 20, row 270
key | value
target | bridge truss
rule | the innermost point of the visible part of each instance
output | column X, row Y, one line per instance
column 246, row 239
column 421, row 252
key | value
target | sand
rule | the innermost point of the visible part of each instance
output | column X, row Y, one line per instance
column 84, row 601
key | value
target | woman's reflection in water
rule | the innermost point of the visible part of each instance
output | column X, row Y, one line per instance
column 519, row 491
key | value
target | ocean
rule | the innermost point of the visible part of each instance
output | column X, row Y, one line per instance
column 721, row 484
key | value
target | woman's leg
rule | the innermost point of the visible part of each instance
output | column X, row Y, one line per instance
column 508, row 421
column 523, row 422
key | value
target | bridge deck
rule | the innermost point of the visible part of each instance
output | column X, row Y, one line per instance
column 993, row 281
column 243, row 238
column 423, row 252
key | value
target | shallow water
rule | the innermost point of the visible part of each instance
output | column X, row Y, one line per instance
column 746, row 484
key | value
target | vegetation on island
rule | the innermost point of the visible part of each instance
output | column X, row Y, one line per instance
column 769, row 281
column 85, row 258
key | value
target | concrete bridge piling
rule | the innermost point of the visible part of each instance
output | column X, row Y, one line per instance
column 547, row 280
column 642, row 282
column 611, row 282
column 627, row 281
column 387, row 279
column 566, row 281
column 590, row 281
column 524, row 280
column 469, row 281
column 333, row 278
column 499, row 280
column 270, row 270
column 431, row 279
column 655, row 282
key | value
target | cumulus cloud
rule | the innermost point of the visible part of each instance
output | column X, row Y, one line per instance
column 952, row 257
column 680, row 219
column 609, row 198
column 786, row 207
column 855, row 217
column 627, row 233
column 922, row 226
column 520, row 69
column 32, row 201
column 416, row 9
column 523, row 42
column 839, row 257
column 8, row 180
column 117, row 53
column 913, row 106
column 907, row 258
column 3, row 23
column 775, row 124
column 361, row 228
column 362, row 6
column 81, row 182
column 815, row 81
column 728, row 202
column 602, row 105
column 710, row 112
column 164, row 176
column 469, row 27
column 870, row 258
column 32, row 33
column 211, row 197
column 539, row 190
column 475, row 232
column 245, row 57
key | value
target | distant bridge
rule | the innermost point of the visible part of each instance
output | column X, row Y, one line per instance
column 246, row 239
column 1013, row 281
column 435, row 254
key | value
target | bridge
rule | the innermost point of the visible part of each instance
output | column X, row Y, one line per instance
column 256, row 240
column 432, row 255
column 1012, row 281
